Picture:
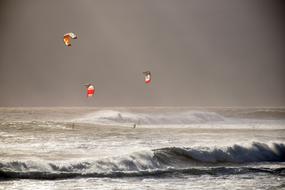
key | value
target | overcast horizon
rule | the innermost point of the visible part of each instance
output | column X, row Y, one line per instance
column 201, row 53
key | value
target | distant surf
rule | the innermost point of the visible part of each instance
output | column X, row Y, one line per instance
column 227, row 119
column 123, row 117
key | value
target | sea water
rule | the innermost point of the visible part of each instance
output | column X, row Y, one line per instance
column 142, row 148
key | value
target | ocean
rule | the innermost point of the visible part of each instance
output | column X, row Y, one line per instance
column 142, row 148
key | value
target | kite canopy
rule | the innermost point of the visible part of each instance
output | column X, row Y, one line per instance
column 90, row 90
column 147, row 77
column 67, row 38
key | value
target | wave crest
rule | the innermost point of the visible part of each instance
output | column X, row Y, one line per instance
column 236, row 154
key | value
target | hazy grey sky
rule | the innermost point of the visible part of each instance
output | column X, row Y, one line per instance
column 200, row 52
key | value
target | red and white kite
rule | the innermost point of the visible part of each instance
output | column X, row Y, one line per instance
column 90, row 90
column 147, row 77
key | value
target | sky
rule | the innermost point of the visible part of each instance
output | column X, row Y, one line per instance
column 200, row 52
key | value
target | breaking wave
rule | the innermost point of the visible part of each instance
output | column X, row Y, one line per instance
column 235, row 159
column 169, row 118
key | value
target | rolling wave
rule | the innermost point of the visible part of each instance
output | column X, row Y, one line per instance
column 235, row 159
